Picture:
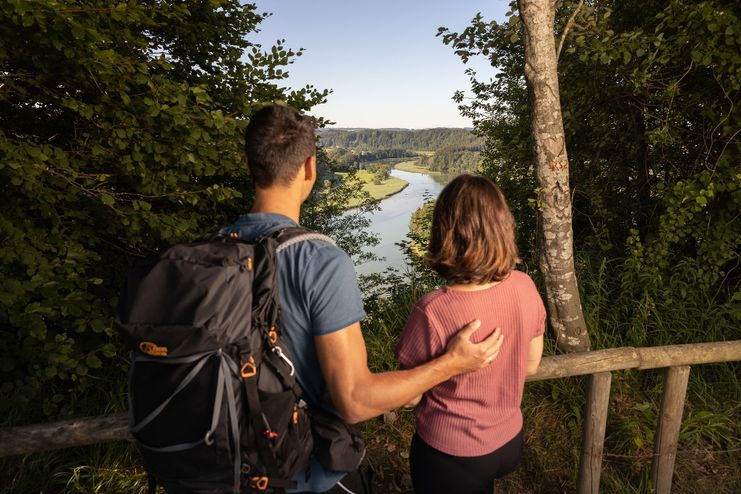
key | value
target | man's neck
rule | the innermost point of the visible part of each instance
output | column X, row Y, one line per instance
column 283, row 201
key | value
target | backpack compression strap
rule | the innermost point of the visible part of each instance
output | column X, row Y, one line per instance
column 284, row 238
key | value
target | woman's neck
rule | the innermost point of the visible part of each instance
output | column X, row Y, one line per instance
column 472, row 287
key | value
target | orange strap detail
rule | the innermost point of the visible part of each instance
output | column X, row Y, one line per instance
column 248, row 369
column 260, row 483
column 273, row 335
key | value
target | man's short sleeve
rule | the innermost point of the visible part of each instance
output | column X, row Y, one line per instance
column 335, row 301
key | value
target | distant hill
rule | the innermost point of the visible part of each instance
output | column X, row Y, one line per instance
column 413, row 140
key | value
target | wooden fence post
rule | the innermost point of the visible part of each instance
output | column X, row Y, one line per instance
column 593, row 433
column 667, row 430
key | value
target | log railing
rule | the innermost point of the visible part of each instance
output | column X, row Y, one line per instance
column 677, row 360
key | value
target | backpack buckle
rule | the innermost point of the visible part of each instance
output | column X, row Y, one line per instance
column 259, row 483
column 273, row 335
column 248, row 369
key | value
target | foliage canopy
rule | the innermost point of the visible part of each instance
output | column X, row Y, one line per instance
column 120, row 131
column 650, row 95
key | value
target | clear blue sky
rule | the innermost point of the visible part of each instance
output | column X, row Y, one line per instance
column 380, row 58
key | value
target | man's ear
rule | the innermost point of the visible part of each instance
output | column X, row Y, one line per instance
column 310, row 168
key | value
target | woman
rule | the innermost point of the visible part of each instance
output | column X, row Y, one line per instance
column 469, row 429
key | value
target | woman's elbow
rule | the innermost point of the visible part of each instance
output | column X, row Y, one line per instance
column 532, row 368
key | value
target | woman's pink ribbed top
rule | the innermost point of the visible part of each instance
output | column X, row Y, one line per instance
column 474, row 414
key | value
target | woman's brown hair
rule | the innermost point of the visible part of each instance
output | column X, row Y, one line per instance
column 472, row 239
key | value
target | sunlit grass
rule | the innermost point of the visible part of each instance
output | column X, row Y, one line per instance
column 413, row 167
column 386, row 188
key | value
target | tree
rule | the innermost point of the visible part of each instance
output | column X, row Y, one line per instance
column 650, row 93
column 552, row 169
column 120, row 132
column 381, row 174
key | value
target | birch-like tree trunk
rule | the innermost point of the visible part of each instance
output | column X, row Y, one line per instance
column 555, row 234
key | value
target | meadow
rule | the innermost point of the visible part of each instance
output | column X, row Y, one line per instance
column 377, row 191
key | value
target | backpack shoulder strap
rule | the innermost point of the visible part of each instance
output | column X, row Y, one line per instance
column 296, row 234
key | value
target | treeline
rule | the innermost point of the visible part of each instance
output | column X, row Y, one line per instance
column 350, row 159
column 454, row 159
column 412, row 140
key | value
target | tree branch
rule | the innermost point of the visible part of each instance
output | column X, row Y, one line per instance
column 566, row 29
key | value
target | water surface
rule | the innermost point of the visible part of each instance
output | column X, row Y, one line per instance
column 391, row 222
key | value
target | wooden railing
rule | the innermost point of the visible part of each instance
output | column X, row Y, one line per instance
column 676, row 359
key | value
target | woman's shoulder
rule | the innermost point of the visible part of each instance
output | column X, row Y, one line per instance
column 522, row 281
column 520, row 277
column 430, row 299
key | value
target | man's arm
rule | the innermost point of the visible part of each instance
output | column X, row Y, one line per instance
column 360, row 394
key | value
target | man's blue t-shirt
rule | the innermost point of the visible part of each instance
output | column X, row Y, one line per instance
column 319, row 294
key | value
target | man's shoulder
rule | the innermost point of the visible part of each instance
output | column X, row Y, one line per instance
column 308, row 239
column 310, row 246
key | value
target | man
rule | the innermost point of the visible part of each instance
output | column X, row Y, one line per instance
column 320, row 300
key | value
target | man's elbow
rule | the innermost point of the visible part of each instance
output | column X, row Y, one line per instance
column 352, row 413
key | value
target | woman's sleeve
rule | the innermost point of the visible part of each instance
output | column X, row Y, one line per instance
column 539, row 326
column 419, row 342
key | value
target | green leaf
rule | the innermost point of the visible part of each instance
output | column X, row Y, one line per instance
column 93, row 362
column 107, row 199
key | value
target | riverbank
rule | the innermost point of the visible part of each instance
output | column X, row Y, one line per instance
column 391, row 221
column 385, row 189
column 412, row 166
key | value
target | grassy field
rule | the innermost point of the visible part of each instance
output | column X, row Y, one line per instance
column 387, row 188
column 413, row 167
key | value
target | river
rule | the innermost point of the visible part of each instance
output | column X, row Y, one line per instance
column 391, row 222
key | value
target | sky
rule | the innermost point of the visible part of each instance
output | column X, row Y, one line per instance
column 381, row 58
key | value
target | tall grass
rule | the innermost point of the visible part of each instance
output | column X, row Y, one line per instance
column 100, row 468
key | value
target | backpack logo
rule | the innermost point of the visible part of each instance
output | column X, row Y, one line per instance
column 152, row 349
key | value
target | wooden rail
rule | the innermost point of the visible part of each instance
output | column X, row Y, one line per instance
column 677, row 360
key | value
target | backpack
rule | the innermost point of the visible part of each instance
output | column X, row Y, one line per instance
column 214, row 405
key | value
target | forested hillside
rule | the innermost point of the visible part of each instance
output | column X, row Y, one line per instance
column 448, row 151
column 413, row 140
column 454, row 159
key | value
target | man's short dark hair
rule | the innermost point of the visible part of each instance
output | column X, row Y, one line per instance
column 472, row 237
column 277, row 141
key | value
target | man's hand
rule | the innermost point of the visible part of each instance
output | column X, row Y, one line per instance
column 466, row 356
column 360, row 394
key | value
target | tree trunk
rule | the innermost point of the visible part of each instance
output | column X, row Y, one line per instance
column 555, row 235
